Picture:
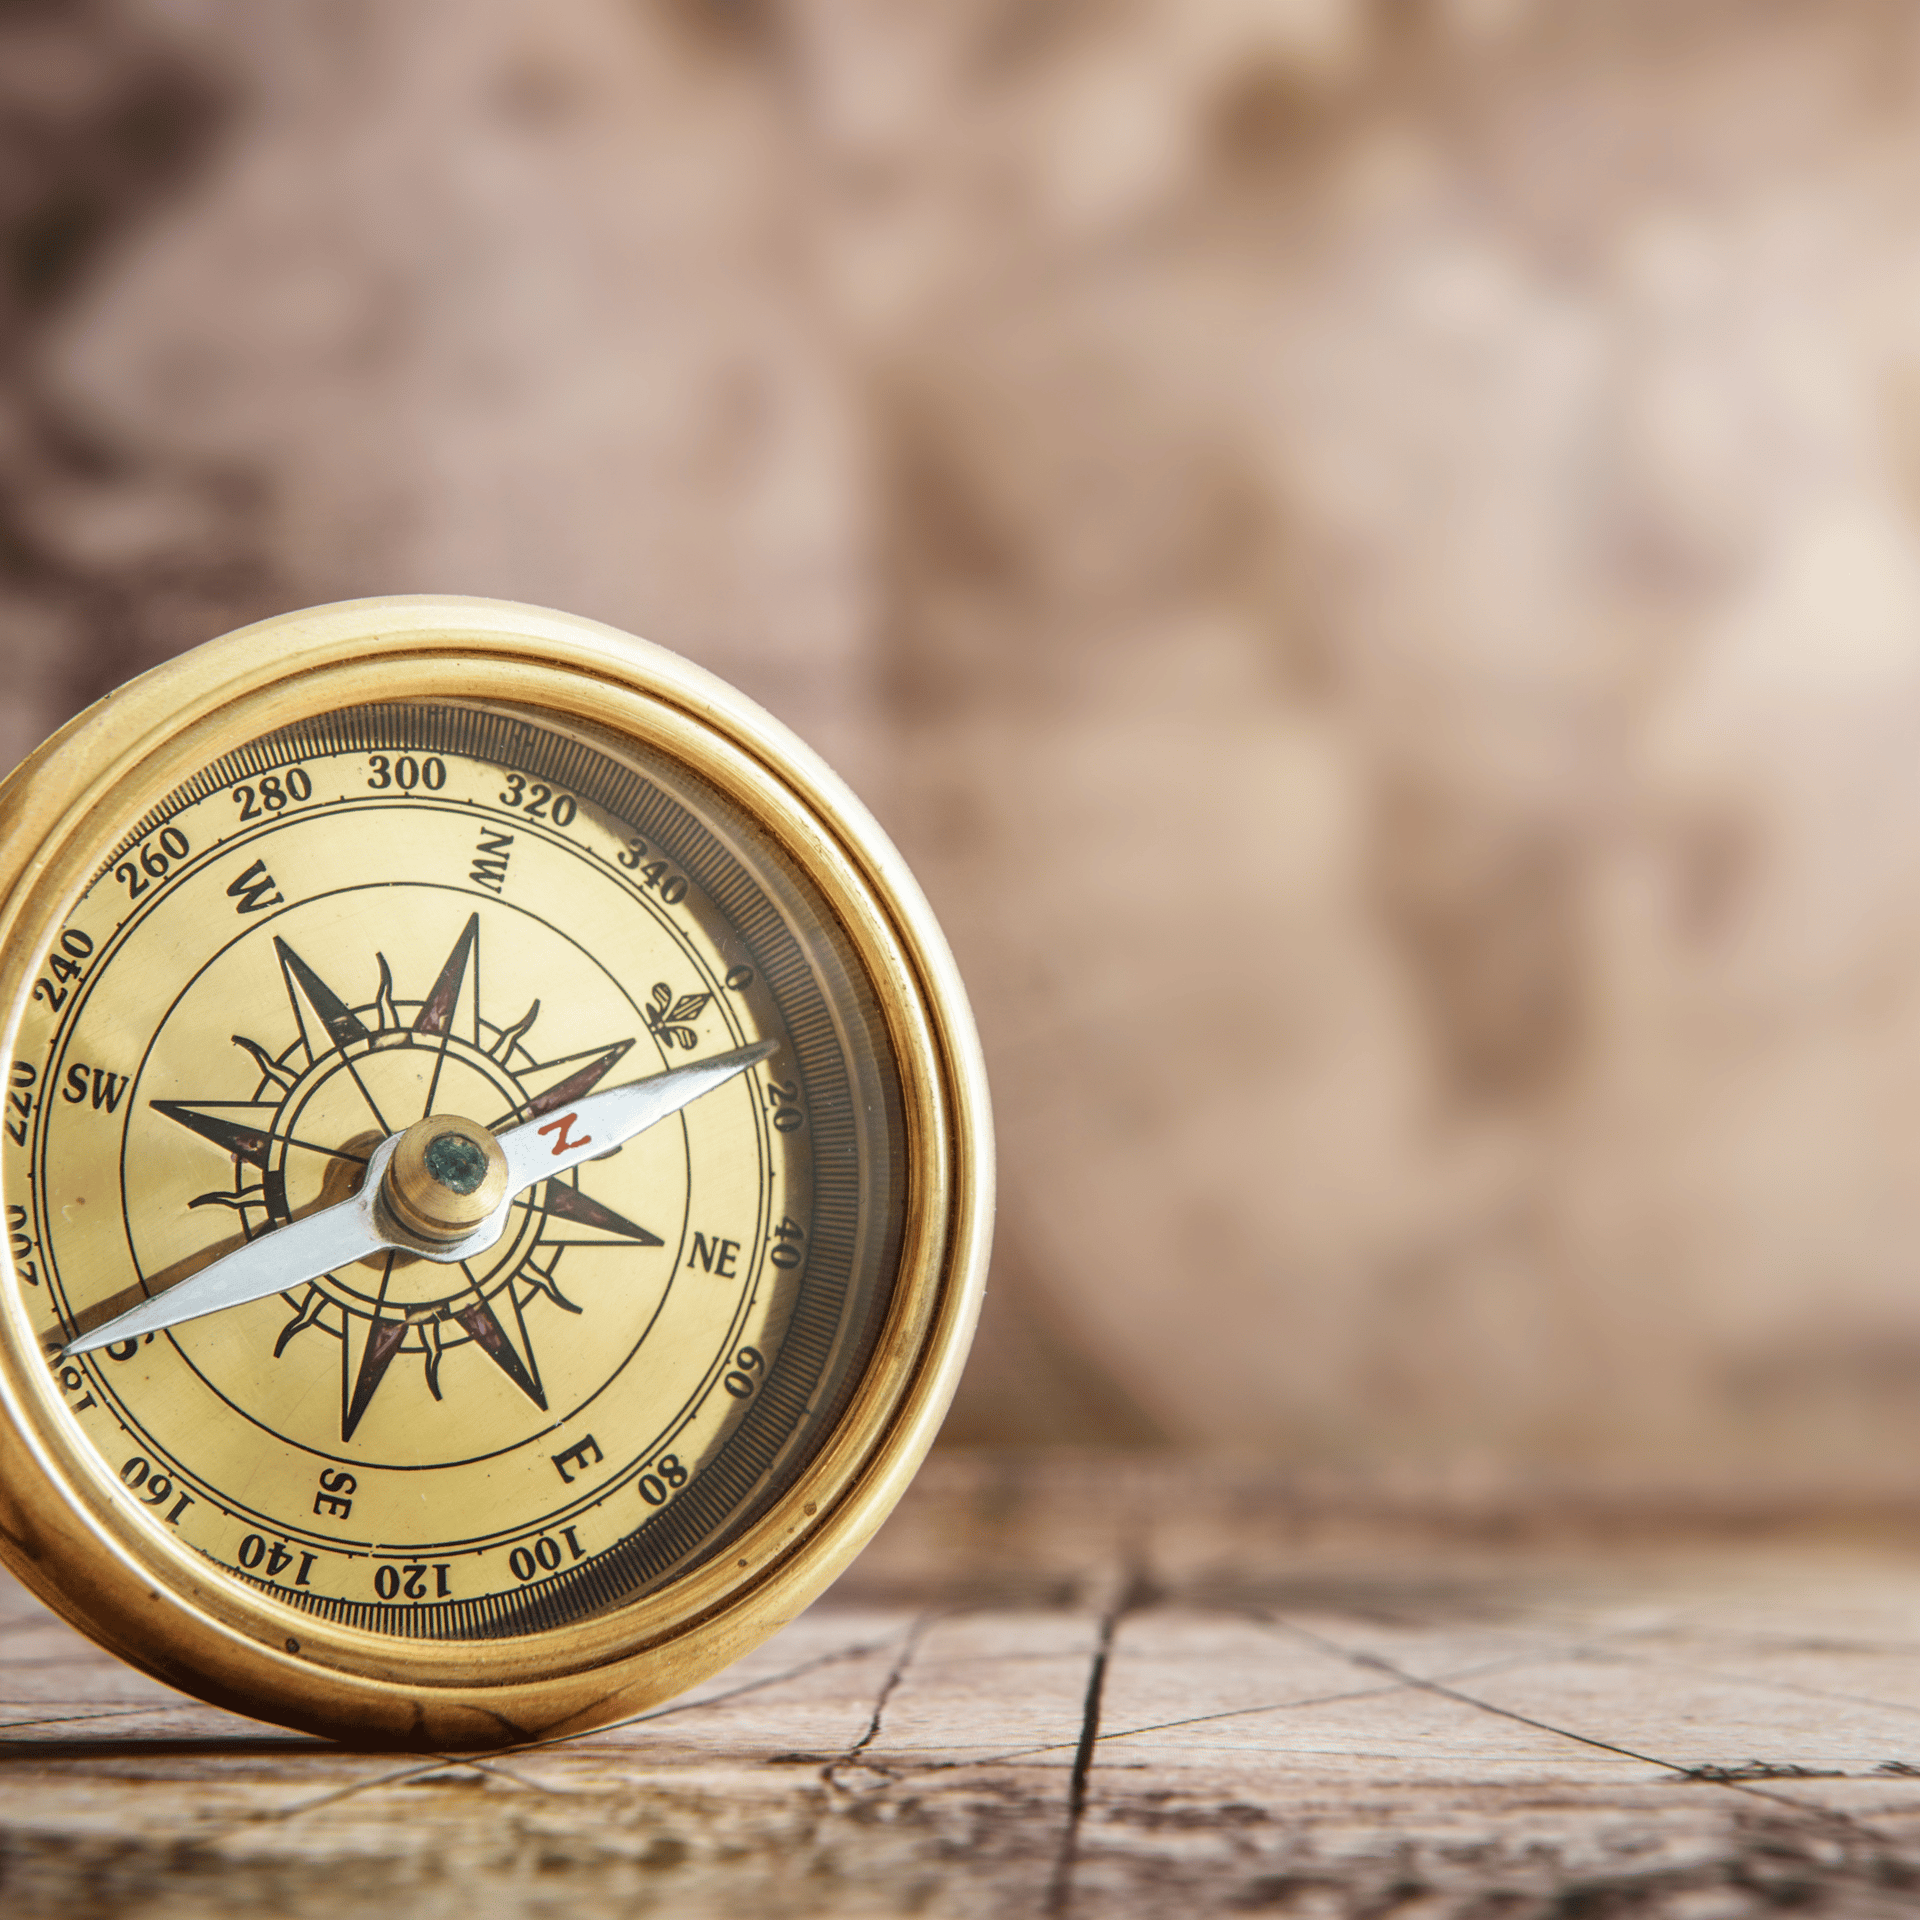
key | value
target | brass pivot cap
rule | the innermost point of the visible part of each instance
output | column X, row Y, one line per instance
column 445, row 1177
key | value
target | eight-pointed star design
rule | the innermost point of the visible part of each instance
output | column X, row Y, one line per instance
column 352, row 1076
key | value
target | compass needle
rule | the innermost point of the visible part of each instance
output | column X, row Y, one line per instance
column 456, row 983
column 274, row 1263
column 376, row 1220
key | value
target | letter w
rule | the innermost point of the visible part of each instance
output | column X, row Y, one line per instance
column 491, row 872
column 254, row 889
column 107, row 1088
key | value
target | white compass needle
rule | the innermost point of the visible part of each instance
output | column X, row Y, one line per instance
column 286, row 1257
column 538, row 1149
column 308, row 1248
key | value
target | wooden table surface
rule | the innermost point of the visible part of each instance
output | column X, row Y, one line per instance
column 1104, row 1687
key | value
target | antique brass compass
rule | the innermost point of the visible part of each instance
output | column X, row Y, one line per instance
column 497, row 1173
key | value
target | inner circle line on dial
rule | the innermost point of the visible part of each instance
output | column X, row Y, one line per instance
column 359, row 1460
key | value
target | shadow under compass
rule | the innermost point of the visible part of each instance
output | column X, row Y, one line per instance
column 165, row 1746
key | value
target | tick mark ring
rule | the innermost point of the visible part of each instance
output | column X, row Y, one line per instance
column 446, row 1177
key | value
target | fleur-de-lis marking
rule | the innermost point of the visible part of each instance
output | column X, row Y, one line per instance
column 668, row 1017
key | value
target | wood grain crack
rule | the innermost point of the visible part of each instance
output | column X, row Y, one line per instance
column 1807, row 1810
column 1060, row 1890
column 896, row 1671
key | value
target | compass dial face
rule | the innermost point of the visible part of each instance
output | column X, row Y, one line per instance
column 456, row 908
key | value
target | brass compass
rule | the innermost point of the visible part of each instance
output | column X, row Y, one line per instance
column 497, row 1173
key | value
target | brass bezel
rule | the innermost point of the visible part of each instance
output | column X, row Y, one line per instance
column 161, row 1606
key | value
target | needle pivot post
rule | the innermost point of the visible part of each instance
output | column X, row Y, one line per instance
column 446, row 1176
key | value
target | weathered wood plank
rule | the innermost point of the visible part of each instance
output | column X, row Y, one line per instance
column 1078, row 1688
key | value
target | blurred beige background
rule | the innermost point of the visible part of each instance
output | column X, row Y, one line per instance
column 1367, row 551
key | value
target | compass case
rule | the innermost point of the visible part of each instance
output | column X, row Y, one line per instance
column 190, row 1600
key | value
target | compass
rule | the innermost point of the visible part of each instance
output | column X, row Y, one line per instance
column 497, row 1173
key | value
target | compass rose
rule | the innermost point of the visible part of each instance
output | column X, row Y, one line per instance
column 351, row 1075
